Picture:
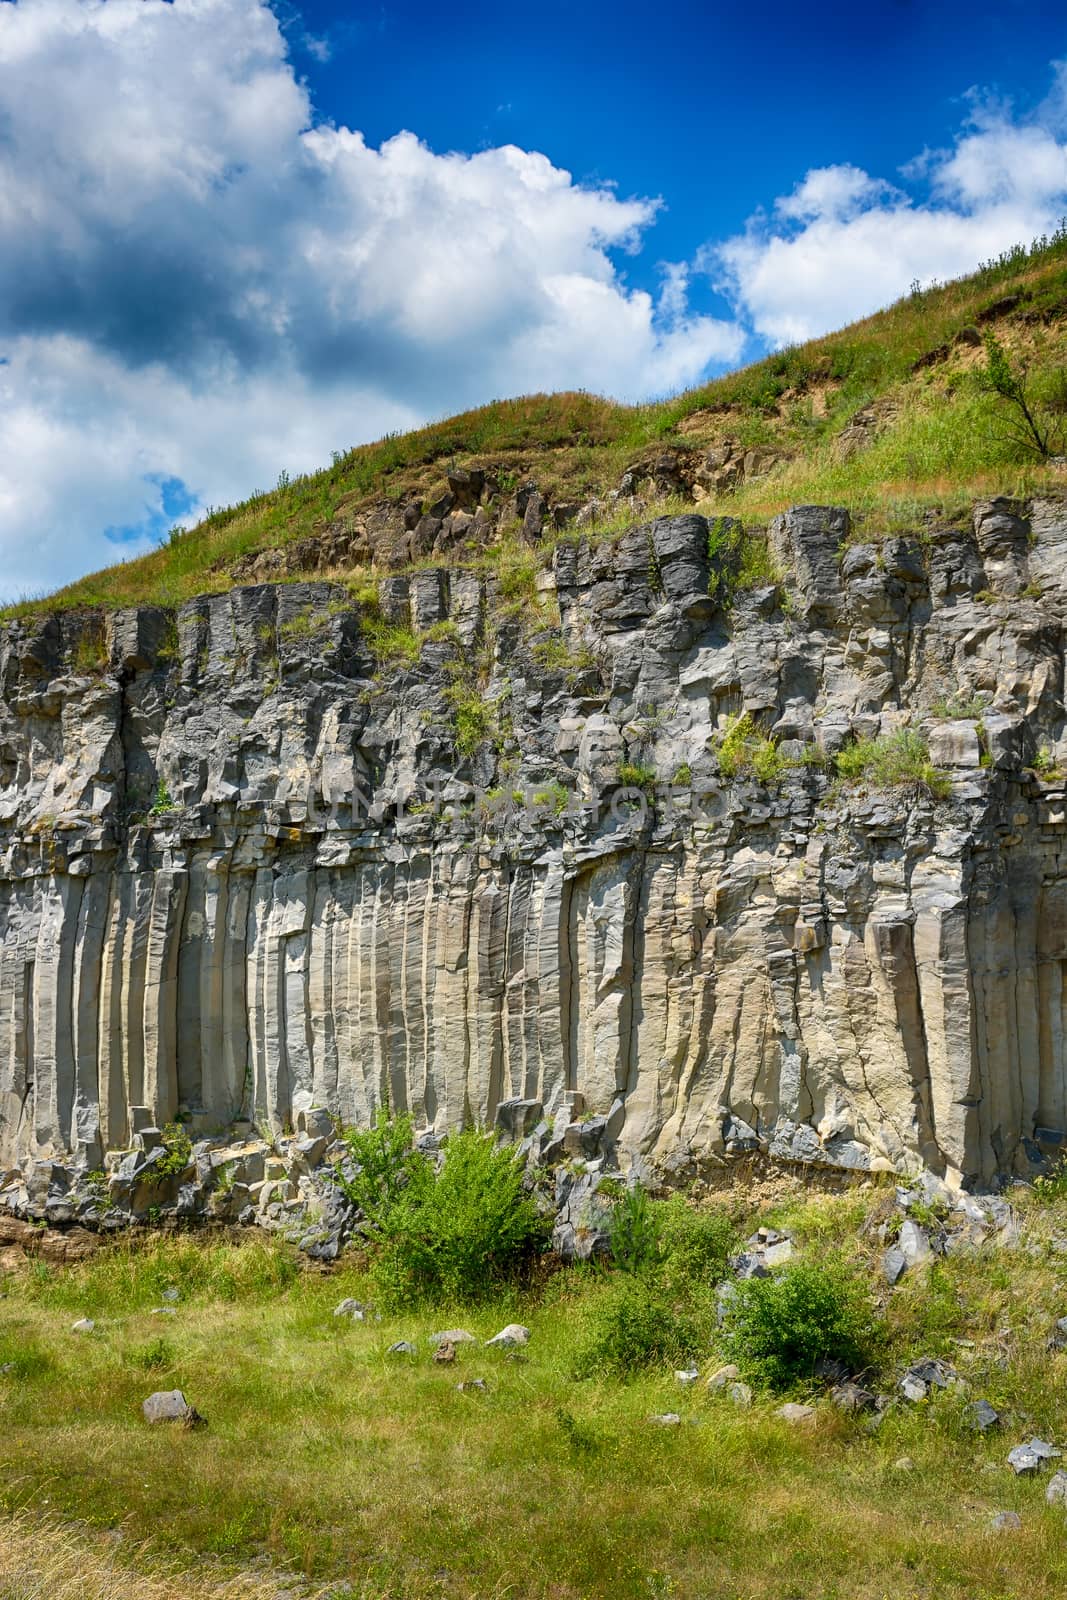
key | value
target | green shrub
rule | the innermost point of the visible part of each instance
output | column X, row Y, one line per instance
column 1052, row 1185
column 472, row 717
column 554, row 797
column 557, row 654
column 777, row 1328
column 634, row 1230
column 739, row 560
column 155, row 1356
column 894, row 760
column 695, row 1245
column 179, row 1148
column 163, row 801
column 384, row 1159
column 390, row 642
column 633, row 1325
column 456, row 1233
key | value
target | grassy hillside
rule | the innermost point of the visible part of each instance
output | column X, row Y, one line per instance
column 329, row 1466
column 888, row 416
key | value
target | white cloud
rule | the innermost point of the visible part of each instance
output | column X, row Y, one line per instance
column 844, row 243
column 838, row 192
column 200, row 281
column 89, row 441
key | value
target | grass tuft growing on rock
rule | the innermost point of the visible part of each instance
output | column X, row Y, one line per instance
column 893, row 761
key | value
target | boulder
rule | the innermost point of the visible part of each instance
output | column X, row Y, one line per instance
column 169, row 1405
column 511, row 1336
column 1031, row 1457
column 797, row 1415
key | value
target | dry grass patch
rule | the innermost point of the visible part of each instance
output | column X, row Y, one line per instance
column 44, row 1558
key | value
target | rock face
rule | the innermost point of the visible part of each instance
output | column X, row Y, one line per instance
column 244, row 872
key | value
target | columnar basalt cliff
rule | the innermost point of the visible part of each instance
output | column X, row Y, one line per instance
column 246, row 870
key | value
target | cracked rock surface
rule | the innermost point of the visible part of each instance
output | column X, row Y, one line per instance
column 245, row 872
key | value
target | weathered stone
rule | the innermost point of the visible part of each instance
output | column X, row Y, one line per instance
column 981, row 1416
column 1031, row 1457
column 745, row 979
column 913, row 1243
column 1056, row 1489
column 354, row 1310
column 894, row 1265
column 511, row 1336
column 852, row 1397
column 796, row 1414
column 169, row 1405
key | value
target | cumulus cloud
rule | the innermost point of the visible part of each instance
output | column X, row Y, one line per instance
column 198, row 280
column 202, row 283
column 844, row 242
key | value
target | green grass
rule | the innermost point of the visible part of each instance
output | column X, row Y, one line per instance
column 942, row 439
column 895, row 760
column 329, row 1457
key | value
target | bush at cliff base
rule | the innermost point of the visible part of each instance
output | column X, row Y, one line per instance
column 460, row 1232
column 778, row 1328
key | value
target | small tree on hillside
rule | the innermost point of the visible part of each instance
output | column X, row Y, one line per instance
column 1030, row 421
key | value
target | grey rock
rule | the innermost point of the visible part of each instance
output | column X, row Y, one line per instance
column 722, row 1376
column 83, row 1325
column 1032, row 1456
column 739, row 1393
column 354, row 1310
column 453, row 1336
column 169, row 1405
column 852, row 1397
column 923, row 1376
column 264, row 709
column 913, row 1243
column 516, row 1119
column 894, row 1265
column 749, row 1264
column 981, row 1416
column 1056, row 1489
column 665, row 1419
column 796, row 1414
column 402, row 1347
column 1006, row 1522
column 511, row 1336
column 778, row 1253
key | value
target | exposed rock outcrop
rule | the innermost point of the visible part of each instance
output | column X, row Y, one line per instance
column 244, row 872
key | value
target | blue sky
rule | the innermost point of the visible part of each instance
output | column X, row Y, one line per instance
column 718, row 108
column 236, row 238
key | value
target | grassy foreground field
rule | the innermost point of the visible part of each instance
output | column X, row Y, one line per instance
column 330, row 1467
